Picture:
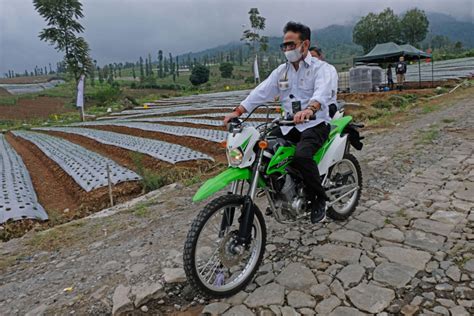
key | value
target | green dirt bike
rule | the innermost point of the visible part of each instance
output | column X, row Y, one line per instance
column 226, row 242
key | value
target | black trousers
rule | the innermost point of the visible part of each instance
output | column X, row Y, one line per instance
column 308, row 142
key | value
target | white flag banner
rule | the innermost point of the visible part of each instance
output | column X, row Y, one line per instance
column 255, row 69
column 80, row 93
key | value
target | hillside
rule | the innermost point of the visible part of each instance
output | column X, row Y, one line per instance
column 442, row 24
column 336, row 40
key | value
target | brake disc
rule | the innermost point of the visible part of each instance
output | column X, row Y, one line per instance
column 226, row 255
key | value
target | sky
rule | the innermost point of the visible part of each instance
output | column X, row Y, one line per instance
column 124, row 30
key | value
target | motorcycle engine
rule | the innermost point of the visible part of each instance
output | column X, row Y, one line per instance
column 291, row 197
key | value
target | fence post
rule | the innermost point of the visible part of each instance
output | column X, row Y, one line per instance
column 110, row 186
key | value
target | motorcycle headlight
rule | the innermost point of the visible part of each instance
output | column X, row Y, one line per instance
column 235, row 156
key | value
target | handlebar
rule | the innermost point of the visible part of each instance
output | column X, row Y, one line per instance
column 288, row 121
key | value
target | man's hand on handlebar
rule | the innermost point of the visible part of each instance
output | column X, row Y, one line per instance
column 230, row 116
column 302, row 116
column 238, row 111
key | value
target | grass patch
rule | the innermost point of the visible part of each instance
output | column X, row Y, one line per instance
column 55, row 238
column 141, row 210
column 461, row 262
column 401, row 213
column 382, row 104
column 441, row 90
column 195, row 179
column 428, row 137
column 8, row 100
column 448, row 120
column 150, row 179
column 387, row 221
column 428, row 109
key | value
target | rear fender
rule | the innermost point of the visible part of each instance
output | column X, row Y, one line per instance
column 334, row 153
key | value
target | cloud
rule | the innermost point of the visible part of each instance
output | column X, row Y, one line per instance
column 124, row 30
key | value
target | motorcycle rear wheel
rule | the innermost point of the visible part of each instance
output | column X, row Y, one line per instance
column 349, row 168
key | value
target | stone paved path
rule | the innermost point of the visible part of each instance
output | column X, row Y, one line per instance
column 408, row 249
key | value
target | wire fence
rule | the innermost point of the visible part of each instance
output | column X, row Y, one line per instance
column 426, row 72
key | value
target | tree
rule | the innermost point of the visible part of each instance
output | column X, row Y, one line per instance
column 133, row 73
column 251, row 36
column 177, row 66
column 165, row 66
column 458, row 47
column 62, row 31
column 373, row 29
column 199, row 75
column 226, row 70
column 150, row 71
column 100, row 73
column 142, row 71
column 92, row 73
column 160, row 63
column 172, row 68
column 414, row 26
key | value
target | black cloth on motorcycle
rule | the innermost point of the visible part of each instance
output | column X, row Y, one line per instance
column 354, row 136
column 308, row 142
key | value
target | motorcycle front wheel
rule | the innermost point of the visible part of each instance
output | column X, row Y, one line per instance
column 215, row 265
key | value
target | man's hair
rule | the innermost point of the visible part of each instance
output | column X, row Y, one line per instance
column 303, row 30
column 316, row 49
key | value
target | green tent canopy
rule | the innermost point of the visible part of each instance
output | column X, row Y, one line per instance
column 391, row 52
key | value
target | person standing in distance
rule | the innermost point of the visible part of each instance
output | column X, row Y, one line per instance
column 304, row 87
column 400, row 70
column 316, row 52
column 389, row 76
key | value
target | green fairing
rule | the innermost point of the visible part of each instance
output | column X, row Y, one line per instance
column 338, row 126
column 220, row 181
column 278, row 163
column 244, row 144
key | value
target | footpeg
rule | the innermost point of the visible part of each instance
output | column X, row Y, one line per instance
column 268, row 211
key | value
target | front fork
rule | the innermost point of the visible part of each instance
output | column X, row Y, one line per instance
column 244, row 235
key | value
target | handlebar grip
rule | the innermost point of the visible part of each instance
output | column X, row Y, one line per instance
column 291, row 117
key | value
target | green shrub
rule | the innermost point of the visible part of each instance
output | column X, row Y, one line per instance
column 150, row 179
column 106, row 94
column 410, row 97
column 441, row 90
column 382, row 104
column 250, row 79
column 398, row 101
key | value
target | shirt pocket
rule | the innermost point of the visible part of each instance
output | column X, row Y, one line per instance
column 306, row 89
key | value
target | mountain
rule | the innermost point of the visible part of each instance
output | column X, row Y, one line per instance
column 335, row 40
column 442, row 24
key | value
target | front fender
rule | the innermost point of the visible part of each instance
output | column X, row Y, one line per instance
column 220, row 181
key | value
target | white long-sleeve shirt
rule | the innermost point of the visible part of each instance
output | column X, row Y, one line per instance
column 334, row 83
column 312, row 82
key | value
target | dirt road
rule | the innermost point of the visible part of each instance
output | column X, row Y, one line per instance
column 407, row 249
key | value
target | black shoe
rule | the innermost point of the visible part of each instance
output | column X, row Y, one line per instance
column 318, row 211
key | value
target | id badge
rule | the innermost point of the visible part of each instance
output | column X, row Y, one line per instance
column 296, row 106
column 283, row 85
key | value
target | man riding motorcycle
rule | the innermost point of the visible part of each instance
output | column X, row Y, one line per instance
column 303, row 85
